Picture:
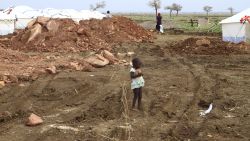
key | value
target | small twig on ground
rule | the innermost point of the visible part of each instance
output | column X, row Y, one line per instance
column 126, row 110
column 76, row 91
column 113, row 74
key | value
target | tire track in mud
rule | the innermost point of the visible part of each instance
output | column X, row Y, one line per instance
column 158, row 101
column 200, row 78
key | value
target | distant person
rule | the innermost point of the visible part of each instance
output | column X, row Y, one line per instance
column 192, row 22
column 158, row 22
column 137, row 82
column 108, row 15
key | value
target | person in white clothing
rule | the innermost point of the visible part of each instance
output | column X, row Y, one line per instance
column 108, row 15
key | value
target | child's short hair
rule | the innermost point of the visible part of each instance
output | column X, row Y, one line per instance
column 136, row 62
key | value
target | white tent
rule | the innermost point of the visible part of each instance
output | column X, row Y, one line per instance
column 233, row 30
column 92, row 15
column 22, row 14
column 18, row 17
column 6, row 24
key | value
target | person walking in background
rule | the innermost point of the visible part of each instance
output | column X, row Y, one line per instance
column 108, row 15
column 137, row 82
column 158, row 22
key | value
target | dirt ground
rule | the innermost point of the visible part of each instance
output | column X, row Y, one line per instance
column 96, row 106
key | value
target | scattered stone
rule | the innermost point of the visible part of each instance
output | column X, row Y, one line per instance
column 209, row 135
column 34, row 32
column 21, row 85
column 126, row 64
column 97, row 61
column 203, row 42
column 52, row 26
column 123, row 61
column 108, row 55
column 102, row 58
column 4, row 39
column 11, row 79
column 34, row 77
column 51, row 70
column 34, row 120
column 31, row 23
column 42, row 20
column 172, row 87
column 76, row 66
column 39, row 71
column 5, row 114
column 2, row 84
column 130, row 54
column 87, row 67
column 82, row 31
column 172, row 121
column 71, row 29
column 121, row 55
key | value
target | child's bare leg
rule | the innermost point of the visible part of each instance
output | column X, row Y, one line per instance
column 139, row 98
column 136, row 91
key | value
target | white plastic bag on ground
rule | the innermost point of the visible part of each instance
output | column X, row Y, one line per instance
column 203, row 113
column 161, row 29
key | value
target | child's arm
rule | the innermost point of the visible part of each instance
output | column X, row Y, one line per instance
column 135, row 74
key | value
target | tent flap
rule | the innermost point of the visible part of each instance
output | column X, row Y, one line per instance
column 248, row 33
column 6, row 27
column 24, row 14
column 234, row 39
column 236, row 18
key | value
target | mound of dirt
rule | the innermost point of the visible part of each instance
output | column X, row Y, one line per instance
column 208, row 46
column 8, row 55
column 64, row 35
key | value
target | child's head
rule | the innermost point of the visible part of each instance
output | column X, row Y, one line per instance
column 136, row 62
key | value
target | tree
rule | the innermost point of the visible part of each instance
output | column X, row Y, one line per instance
column 98, row 5
column 170, row 8
column 231, row 10
column 207, row 9
column 177, row 8
column 174, row 7
column 156, row 4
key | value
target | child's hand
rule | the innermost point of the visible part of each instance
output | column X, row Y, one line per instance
column 138, row 71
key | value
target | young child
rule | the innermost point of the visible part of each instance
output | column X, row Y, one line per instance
column 137, row 81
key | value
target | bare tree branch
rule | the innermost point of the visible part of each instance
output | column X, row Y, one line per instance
column 98, row 5
column 156, row 4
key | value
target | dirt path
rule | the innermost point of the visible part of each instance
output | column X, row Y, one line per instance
column 81, row 106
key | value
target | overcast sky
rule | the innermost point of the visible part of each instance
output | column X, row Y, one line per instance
column 131, row 5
